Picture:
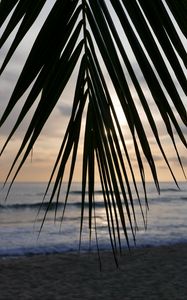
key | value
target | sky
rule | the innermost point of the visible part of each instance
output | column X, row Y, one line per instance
column 39, row 166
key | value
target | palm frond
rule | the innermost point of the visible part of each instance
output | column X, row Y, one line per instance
column 83, row 35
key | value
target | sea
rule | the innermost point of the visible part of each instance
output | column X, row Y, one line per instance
column 23, row 232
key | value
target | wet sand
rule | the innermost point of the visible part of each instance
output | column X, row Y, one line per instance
column 149, row 273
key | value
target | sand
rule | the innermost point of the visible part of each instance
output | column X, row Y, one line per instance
column 149, row 273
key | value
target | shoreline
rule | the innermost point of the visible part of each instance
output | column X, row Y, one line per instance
column 125, row 250
column 158, row 272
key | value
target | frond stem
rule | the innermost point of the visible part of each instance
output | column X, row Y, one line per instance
column 84, row 6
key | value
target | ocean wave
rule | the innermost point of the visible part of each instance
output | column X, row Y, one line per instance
column 184, row 198
column 78, row 204
column 165, row 190
column 22, row 206
column 47, row 205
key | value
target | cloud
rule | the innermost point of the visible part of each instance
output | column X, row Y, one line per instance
column 65, row 109
column 184, row 160
column 174, row 160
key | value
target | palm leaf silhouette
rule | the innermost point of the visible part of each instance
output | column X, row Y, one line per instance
column 80, row 35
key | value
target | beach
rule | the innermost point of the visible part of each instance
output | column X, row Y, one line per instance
column 145, row 273
column 51, row 268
